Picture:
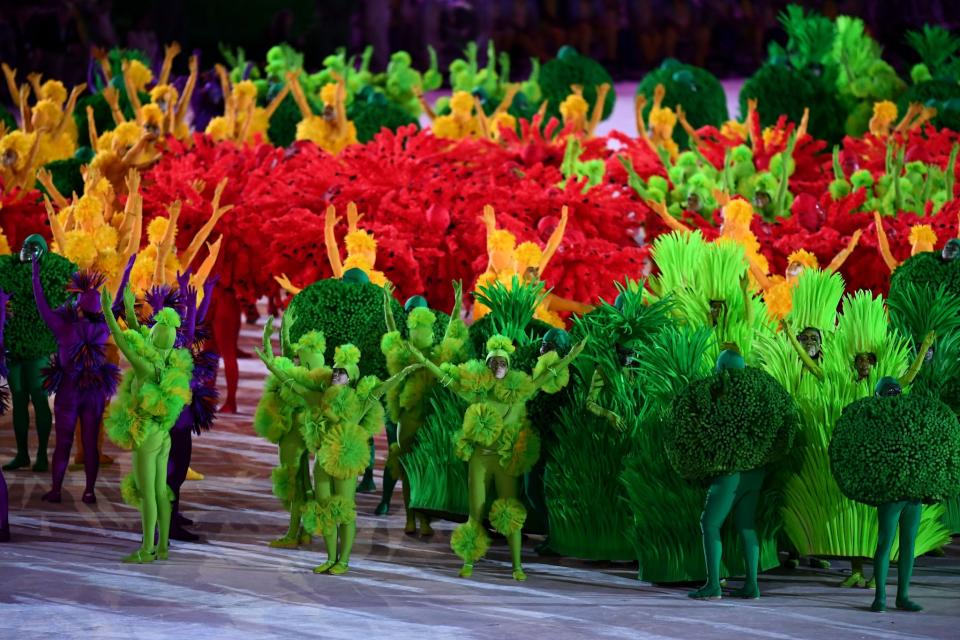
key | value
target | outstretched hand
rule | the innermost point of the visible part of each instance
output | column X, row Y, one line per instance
column 129, row 299
column 106, row 300
column 267, row 335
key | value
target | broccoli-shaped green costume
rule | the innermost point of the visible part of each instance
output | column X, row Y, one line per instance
column 930, row 269
column 571, row 68
column 151, row 396
column 725, row 429
column 408, row 402
column 280, row 419
column 496, row 439
column 29, row 342
column 913, row 445
column 340, row 414
column 695, row 89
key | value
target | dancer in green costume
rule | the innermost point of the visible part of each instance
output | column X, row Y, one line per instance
column 407, row 403
column 725, row 429
column 843, row 367
column 896, row 432
column 496, row 439
column 29, row 342
column 151, row 396
column 340, row 414
column 279, row 419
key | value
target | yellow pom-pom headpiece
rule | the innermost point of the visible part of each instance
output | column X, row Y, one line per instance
column 461, row 103
column 88, row 212
column 528, row 254
column 738, row 212
column 54, row 91
column 885, row 111
column 803, row 257
column 360, row 242
column 501, row 240
column 574, row 106
column 922, row 234
column 157, row 229
column 139, row 74
column 328, row 94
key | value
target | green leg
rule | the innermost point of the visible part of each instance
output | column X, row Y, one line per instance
column 322, row 490
column 345, row 489
column 479, row 476
column 389, row 482
column 20, row 399
column 887, row 516
column 145, row 459
column 292, row 452
column 858, row 577
column 744, row 517
column 43, row 418
column 909, row 525
column 720, row 499
column 367, row 485
column 163, row 499
column 509, row 487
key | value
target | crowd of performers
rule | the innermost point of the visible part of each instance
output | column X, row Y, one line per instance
column 647, row 344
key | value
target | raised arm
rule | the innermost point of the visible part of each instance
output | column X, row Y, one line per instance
column 207, row 229
column 660, row 208
column 128, row 84
column 208, row 286
column 388, row 318
column 597, row 114
column 277, row 99
column 46, row 313
column 914, row 369
column 554, row 242
column 286, row 285
column 841, row 257
column 489, row 220
column 883, row 243
column 68, row 110
column 758, row 274
column 170, row 52
column 805, row 358
column 59, row 233
column 592, row 404
column 189, row 294
column 45, row 179
column 166, row 243
column 561, row 363
column 141, row 368
column 130, row 309
column 330, row 239
column 393, row 381
column 11, row 77
column 456, row 313
column 184, row 104
column 118, row 308
column 298, row 96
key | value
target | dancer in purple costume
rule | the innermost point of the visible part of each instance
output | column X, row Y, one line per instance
column 197, row 416
column 80, row 374
column 4, row 496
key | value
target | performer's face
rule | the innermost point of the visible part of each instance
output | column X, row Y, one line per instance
column 951, row 250
column 864, row 363
column 811, row 342
column 498, row 366
column 890, row 390
column 794, row 269
column 340, row 377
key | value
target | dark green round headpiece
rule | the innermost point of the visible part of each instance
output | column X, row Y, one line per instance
column 415, row 302
column 729, row 359
column 356, row 276
column 887, row 386
column 559, row 338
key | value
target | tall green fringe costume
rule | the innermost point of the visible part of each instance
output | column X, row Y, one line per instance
column 705, row 284
column 497, row 441
column 594, row 422
column 280, row 418
column 818, row 519
column 408, row 403
column 151, row 396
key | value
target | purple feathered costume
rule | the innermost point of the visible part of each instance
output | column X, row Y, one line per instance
column 80, row 375
column 4, row 496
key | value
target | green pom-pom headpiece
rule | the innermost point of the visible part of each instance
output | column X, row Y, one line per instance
column 499, row 346
column 421, row 318
column 729, row 359
column 164, row 330
column 167, row 317
column 356, row 276
column 311, row 341
column 415, row 302
column 347, row 357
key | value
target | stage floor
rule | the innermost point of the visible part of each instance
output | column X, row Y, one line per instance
column 62, row 577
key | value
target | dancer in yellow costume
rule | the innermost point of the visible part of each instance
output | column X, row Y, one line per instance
column 242, row 120
column 467, row 118
column 166, row 113
column 527, row 262
column 361, row 250
column 922, row 239
column 51, row 117
column 574, row 108
column 331, row 131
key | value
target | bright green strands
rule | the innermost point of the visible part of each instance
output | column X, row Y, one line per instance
column 438, row 479
column 815, row 301
column 512, row 309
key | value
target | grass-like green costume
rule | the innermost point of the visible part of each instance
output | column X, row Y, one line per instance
column 29, row 343
column 826, row 361
column 341, row 411
column 913, row 445
column 151, row 396
column 280, row 419
column 408, row 402
column 496, row 439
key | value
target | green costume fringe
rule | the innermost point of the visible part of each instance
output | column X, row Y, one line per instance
column 322, row 517
column 507, row 515
column 155, row 406
column 130, row 492
column 345, row 452
column 284, row 479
